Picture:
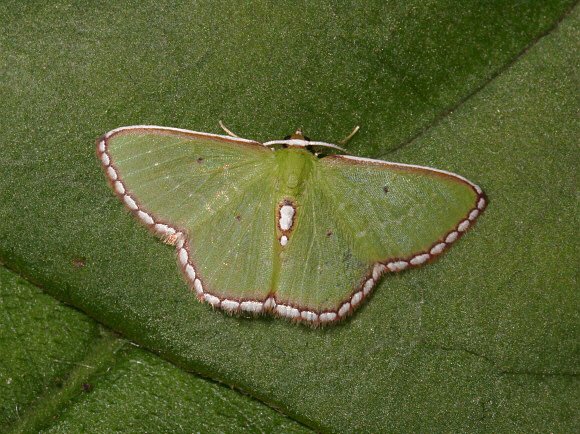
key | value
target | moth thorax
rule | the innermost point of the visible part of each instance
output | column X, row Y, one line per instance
column 295, row 165
column 292, row 180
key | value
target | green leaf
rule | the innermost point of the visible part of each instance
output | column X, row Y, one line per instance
column 61, row 372
column 483, row 340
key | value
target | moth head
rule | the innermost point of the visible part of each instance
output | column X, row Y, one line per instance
column 299, row 135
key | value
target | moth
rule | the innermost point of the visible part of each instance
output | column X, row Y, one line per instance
column 293, row 227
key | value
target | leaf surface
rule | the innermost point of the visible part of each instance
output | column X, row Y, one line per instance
column 483, row 340
column 62, row 372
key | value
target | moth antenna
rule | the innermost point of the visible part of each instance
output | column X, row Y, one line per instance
column 229, row 133
column 350, row 136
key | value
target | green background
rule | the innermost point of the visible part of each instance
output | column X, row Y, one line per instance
column 485, row 339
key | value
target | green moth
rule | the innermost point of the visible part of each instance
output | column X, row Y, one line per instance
column 278, row 228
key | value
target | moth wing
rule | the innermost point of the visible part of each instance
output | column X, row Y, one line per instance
column 359, row 218
column 215, row 190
